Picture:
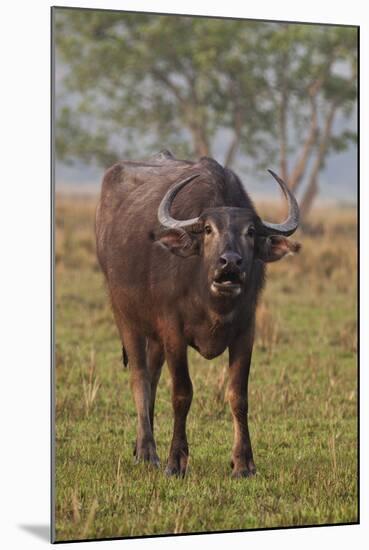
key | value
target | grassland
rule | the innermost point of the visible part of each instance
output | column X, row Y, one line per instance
column 303, row 401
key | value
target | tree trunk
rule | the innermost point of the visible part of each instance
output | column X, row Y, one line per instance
column 233, row 148
column 231, row 153
column 300, row 165
column 282, row 122
column 312, row 188
column 190, row 113
column 308, row 198
column 200, row 142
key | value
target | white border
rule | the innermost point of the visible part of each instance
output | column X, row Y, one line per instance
column 25, row 288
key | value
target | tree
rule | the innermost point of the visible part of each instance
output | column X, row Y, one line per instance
column 313, row 76
column 156, row 79
column 137, row 82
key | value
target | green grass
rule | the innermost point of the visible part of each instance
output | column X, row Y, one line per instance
column 303, row 406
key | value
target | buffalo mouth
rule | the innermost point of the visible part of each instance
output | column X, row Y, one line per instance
column 228, row 282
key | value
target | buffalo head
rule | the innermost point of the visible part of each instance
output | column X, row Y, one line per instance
column 228, row 239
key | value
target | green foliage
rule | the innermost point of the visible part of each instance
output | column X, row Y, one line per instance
column 131, row 84
column 303, row 404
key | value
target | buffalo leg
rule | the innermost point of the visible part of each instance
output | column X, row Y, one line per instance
column 181, row 401
column 141, row 388
column 239, row 362
column 155, row 360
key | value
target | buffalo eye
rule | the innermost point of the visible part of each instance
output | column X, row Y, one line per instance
column 208, row 229
column 251, row 231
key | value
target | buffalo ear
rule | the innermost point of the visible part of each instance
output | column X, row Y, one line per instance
column 274, row 248
column 179, row 242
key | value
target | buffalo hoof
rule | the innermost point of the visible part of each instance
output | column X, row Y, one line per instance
column 242, row 470
column 148, row 458
column 171, row 471
column 177, row 464
column 146, row 453
column 238, row 474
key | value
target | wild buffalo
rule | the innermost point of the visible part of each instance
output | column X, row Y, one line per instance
column 183, row 252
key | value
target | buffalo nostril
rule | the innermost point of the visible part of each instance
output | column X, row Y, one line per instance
column 230, row 258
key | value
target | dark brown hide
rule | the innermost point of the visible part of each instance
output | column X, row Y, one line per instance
column 169, row 288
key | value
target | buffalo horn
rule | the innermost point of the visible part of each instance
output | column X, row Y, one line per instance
column 164, row 216
column 290, row 225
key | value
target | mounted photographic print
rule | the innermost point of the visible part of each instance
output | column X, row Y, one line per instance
column 205, row 272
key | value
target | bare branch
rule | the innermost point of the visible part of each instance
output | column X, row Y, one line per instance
column 232, row 150
column 300, row 165
column 189, row 108
column 282, row 119
column 162, row 77
column 312, row 187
